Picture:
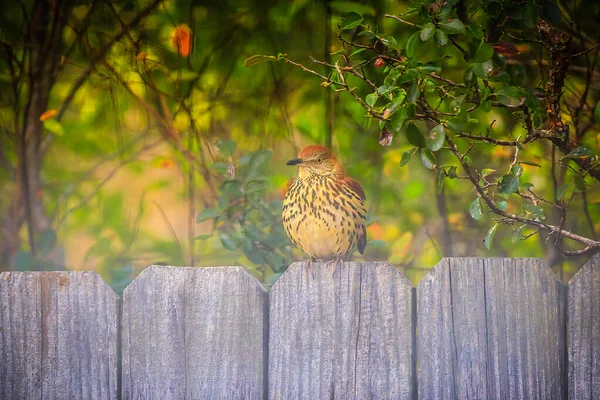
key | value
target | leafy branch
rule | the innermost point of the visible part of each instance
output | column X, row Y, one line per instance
column 406, row 90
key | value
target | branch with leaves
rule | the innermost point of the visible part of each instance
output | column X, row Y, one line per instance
column 411, row 87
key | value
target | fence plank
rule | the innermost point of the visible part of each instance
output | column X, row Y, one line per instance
column 342, row 336
column 491, row 328
column 584, row 332
column 58, row 336
column 194, row 333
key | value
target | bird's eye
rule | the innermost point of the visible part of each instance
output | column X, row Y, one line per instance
column 319, row 160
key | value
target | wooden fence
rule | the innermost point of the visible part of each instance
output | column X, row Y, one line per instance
column 474, row 328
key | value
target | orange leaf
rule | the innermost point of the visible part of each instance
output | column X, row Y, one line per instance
column 182, row 40
column 166, row 164
column 375, row 231
column 47, row 115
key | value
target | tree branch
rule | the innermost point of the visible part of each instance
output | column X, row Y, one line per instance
column 591, row 245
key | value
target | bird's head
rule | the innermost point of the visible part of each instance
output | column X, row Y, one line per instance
column 317, row 160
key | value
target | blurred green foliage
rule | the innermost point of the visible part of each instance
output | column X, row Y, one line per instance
column 245, row 218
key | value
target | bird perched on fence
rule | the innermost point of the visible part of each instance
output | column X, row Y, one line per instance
column 324, row 209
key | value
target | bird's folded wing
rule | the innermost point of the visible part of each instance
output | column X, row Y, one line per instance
column 356, row 188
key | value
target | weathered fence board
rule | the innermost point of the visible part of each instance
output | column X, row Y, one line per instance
column 487, row 329
column 491, row 329
column 584, row 332
column 194, row 333
column 348, row 335
column 58, row 336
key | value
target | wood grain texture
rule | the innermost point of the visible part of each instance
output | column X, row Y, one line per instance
column 491, row 329
column 58, row 336
column 194, row 333
column 343, row 336
column 584, row 332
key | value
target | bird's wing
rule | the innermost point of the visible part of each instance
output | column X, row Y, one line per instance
column 355, row 186
column 362, row 236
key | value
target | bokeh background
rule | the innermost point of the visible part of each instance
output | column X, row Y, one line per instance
column 172, row 151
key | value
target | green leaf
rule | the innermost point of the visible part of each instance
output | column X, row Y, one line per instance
column 436, row 138
column 46, row 241
column 562, row 189
column 485, row 106
column 508, row 184
column 511, row 96
column 453, row 26
column 440, row 180
column 54, row 126
column 413, row 93
column 534, row 210
column 469, row 76
column 458, row 123
column 483, row 53
column 254, row 255
column 273, row 278
column 398, row 119
column 383, row 89
column 227, row 242
column 257, row 163
column 530, row 163
column 580, row 152
column 226, row 147
column 407, row 156
column 475, row 210
column 517, row 170
column 579, row 183
column 487, row 171
column 351, row 20
column 502, row 205
column 430, row 67
column 206, row 214
column 428, row 159
column 489, row 237
column 371, row 99
column 427, row 31
column 597, row 112
column 452, row 173
column 516, row 236
column 256, row 186
column 441, row 39
column 357, row 51
column 258, row 59
column 411, row 45
column 483, row 69
column 414, row 135
column 389, row 41
column 275, row 261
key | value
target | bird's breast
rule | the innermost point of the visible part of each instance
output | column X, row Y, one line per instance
column 323, row 217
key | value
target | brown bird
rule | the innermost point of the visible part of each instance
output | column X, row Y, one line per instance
column 324, row 209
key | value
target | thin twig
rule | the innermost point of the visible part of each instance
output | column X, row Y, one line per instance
column 510, row 143
column 403, row 21
column 586, row 51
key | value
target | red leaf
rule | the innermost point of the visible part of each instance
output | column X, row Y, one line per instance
column 506, row 48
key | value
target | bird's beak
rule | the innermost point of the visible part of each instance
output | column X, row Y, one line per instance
column 295, row 161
